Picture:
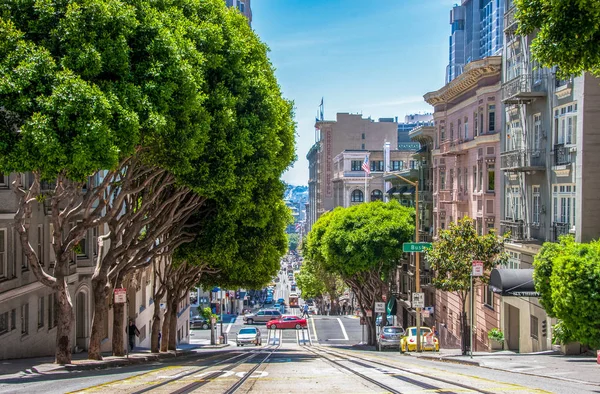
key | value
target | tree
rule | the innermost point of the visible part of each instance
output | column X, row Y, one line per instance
column 181, row 88
column 451, row 258
column 567, row 33
column 567, row 276
column 362, row 244
column 293, row 241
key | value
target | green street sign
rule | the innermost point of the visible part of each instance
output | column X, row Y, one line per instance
column 410, row 247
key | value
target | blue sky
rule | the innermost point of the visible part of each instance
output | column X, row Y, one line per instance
column 375, row 57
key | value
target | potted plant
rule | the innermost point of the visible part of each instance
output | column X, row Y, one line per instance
column 496, row 337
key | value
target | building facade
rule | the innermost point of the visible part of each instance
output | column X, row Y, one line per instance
column 243, row 6
column 347, row 132
column 549, row 159
column 465, row 155
column 476, row 32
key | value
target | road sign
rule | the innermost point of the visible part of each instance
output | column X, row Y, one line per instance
column 410, row 247
column 477, row 268
column 379, row 307
column 425, row 313
column 120, row 296
column 418, row 300
column 369, row 312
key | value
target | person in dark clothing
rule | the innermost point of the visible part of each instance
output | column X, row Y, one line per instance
column 132, row 331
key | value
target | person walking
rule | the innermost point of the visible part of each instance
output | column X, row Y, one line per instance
column 305, row 311
column 132, row 331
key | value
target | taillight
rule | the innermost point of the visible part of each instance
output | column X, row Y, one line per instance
column 411, row 340
column 382, row 336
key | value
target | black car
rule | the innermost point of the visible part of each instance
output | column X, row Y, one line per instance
column 199, row 322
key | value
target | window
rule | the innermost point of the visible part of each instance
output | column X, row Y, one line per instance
column 475, row 131
column 474, row 178
column 563, row 204
column 377, row 165
column 513, row 203
column 466, row 180
column 480, row 177
column 451, row 179
column 41, row 312
column 357, row 196
column 533, row 325
column 565, row 124
column 362, row 147
column 537, row 131
column 25, row 319
column 459, row 130
column 491, row 118
column 413, row 164
column 451, row 131
column 40, row 244
column 466, row 129
column 3, row 180
column 95, row 241
column 459, row 179
column 442, row 134
column 3, row 255
column 13, row 319
column 3, row 323
column 488, row 296
column 491, row 177
column 489, row 206
column 535, row 205
column 442, row 180
column 355, row 165
column 363, row 136
column 396, row 165
column 241, row 6
column 24, row 262
column 376, row 195
column 53, row 311
column 514, row 260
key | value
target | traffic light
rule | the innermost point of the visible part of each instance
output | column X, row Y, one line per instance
column 544, row 328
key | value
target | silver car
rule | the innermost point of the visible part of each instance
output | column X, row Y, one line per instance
column 262, row 316
column 390, row 337
column 249, row 336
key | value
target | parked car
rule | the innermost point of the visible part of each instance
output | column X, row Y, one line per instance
column 428, row 340
column 390, row 337
column 262, row 316
column 287, row 322
column 199, row 322
column 248, row 336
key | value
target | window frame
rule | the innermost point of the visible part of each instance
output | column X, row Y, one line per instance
column 25, row 319
column 357, row 195
column 488, row 296
column 534, row 327
column 536, row 204
column 356, row 165
column 41, row 311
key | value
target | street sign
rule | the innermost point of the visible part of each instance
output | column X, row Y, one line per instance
column 369, row 312
column 418, row 300
column 425, row 313
column 379, row 307
column 477, row 268
column 120, row 296
column 411, row 247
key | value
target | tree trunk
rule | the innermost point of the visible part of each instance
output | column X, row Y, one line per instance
column 65, row 322
column 99, row 317
column 118, row 347
column 464, row 333
column 164, row 343
column 154, row 345
column 173, row 325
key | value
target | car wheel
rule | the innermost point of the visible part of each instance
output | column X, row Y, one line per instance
column 205, row 326
column 273, row 326
column 249, row 321
column 298, row 326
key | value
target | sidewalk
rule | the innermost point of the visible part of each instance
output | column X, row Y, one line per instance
column 551, row 364
column 25, row 366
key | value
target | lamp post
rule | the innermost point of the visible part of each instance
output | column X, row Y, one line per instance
column 417, row 255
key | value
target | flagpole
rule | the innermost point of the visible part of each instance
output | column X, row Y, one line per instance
column 366, row 194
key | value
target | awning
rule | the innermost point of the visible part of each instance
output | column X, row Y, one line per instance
column 513, row 282
column 392, row 190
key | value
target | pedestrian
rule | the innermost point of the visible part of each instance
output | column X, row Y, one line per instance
column 132, row 332
column 159, row 338
column 344, row 309
column 305, row 311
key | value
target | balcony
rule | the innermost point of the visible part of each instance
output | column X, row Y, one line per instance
column 445, row 196
column 523, row 88
column 510, row 23
column 523, row 160
column 451, row 148
column 425, row 196
column 516, row 228
column 560, row 228
column 562, row 155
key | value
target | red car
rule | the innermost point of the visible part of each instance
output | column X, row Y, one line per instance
column 287, row 322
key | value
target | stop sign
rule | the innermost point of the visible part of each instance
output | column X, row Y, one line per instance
column 384, row 297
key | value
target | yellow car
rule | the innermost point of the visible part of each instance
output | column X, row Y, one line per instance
column 408, row 343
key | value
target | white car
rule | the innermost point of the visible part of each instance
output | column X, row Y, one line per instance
column 249, row 336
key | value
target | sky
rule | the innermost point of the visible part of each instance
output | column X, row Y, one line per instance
column 373, row 57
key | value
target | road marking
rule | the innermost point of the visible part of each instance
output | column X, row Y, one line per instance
column 343, row 329
column 314, row 329
column 228, row 327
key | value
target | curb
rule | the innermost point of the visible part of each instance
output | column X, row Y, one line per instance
column 451, row 360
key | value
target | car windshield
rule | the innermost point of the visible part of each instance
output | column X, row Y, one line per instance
column 424, row 331
column 392, row 330
column 247, row 331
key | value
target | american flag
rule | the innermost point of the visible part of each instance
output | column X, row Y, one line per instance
column 365, row 165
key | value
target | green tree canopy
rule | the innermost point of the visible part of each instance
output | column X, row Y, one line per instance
column 567, row 36
column 567, row 275
column 293, row 239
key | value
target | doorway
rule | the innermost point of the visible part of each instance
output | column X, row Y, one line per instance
column 513, row 327
column 81, row 321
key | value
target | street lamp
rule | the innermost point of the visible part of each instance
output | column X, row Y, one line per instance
column 417, row 255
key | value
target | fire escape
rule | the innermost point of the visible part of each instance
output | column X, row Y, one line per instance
column 522, row 151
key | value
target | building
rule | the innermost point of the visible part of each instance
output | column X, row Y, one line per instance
column 347, row 132
column 549, row 159
column 410, row 122
column 466, row 150
column 476, row 32
column 243, row 6
column 27, row 307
